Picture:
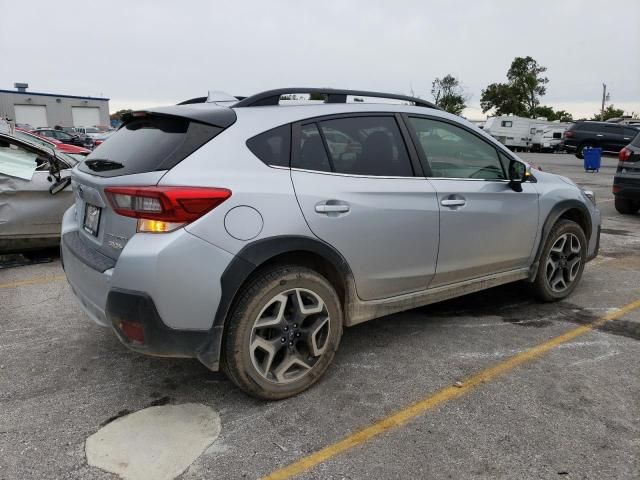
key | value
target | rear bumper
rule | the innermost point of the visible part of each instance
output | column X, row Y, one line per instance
column 160, row 340
column 626, row 187
column 168, row 283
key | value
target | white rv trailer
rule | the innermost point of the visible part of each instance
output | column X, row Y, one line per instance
column 548, row 138
column 515, row 132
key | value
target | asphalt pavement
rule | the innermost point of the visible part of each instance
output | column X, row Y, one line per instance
column 491, row 385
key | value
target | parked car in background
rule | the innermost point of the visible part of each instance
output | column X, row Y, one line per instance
column 609, row 136
column 64, row 137
column 101, row 137
column 24, row 126
column 30, row 215
column 626, row 182
column 51, row 143
column 234, row 234
column 88, row 131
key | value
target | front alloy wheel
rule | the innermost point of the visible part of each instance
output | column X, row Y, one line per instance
column 563, row 262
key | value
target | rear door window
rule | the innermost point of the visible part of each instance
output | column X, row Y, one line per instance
column 371, row 146
column 146, row 144
column 313, row 155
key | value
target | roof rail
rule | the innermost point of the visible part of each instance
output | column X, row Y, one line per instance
column 272, row 97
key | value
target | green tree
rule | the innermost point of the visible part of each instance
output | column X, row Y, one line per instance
column 609, row 112
column 550, row 114
column 449, row 94
column 118, row 115
column 502, row 98
column 521, row 94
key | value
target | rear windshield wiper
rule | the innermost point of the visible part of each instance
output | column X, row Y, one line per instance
column 103, row 165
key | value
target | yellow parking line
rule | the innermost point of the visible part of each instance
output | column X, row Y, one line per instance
column 444, row 395
column 32, row 281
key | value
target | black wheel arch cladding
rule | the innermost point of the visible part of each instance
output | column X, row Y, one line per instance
column 244, row 264
column 557, row 212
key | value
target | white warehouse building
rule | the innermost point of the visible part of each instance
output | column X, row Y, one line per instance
column 40, row 109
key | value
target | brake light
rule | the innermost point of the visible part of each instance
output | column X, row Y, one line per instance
column 164, row 209
column 624, row 154
column 568, row 134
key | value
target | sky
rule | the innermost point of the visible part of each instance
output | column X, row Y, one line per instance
column 143, row 53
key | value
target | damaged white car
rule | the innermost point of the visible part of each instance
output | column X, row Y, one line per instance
column 34, row 193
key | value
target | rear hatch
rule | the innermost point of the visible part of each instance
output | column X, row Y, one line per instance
column 148, row 144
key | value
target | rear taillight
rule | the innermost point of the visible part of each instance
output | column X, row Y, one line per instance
column 568, row 134
column 164, row 209
column 624, row 154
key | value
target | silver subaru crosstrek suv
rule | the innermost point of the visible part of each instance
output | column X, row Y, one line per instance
column 247, row 235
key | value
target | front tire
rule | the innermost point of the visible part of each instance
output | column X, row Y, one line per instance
column 626, row 206
column 561, row 263
column 282, row 333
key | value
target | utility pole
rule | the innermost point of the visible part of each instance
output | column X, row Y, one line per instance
column 604, row 95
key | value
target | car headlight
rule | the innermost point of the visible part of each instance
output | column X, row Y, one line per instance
column 590, row 195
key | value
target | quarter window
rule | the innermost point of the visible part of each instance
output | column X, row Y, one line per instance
column 370, row 146
column 273, row 147
column 453, row 152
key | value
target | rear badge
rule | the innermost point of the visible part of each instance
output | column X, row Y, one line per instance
column 116, row 242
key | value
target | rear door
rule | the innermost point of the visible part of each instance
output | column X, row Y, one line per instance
column 613, row 139
column 485, row 226
column 359, row 190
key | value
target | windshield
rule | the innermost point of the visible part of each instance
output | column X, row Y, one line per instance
column 33, row 139
column 48, row 146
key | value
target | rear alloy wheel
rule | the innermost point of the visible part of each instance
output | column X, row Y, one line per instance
column 283, row 333
column 562, row 262
column 626, row 206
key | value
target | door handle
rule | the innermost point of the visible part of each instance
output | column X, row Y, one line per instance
column 453, row 202
column 626, row 138
column 329, row 208
column 599, row 135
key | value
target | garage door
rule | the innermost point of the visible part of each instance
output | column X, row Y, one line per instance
column 85, row 116
column 34, row 115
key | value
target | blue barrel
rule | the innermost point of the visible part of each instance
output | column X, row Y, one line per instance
column 592, row 159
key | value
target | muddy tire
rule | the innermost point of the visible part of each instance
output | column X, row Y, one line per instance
column 282, row 332
column 561, row 263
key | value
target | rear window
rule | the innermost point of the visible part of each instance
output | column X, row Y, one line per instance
column 636, row 140
column 148, row 144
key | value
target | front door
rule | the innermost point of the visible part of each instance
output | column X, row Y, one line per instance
column 356, row 187
column 485, row 226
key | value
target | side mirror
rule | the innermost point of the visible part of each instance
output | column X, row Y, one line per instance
column 518, row 173
column 60, row 185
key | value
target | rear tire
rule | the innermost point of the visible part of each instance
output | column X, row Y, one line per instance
column 282, row 332
column 626, row 206
column 561, row 263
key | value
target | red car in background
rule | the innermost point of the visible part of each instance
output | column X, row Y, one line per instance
column 51, row 142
